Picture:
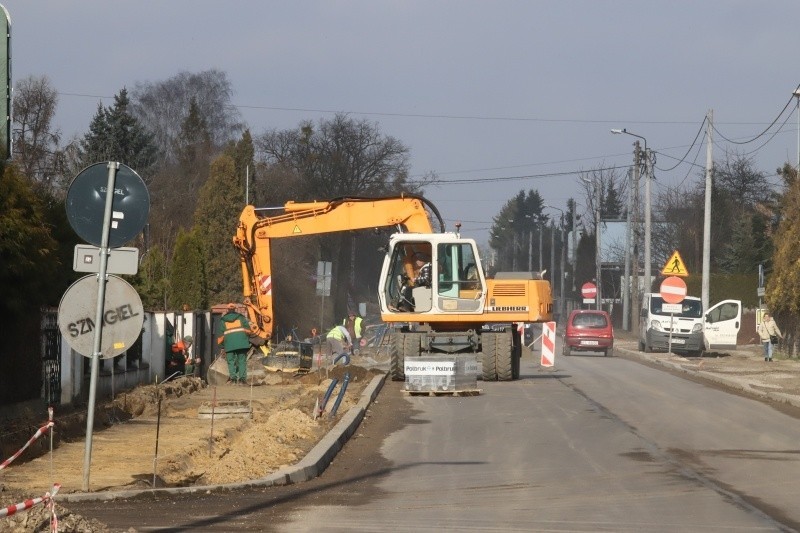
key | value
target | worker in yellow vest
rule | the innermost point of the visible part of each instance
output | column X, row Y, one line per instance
column 339, row 340
column 353, row 323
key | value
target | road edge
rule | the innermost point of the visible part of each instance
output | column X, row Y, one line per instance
column 309, row 467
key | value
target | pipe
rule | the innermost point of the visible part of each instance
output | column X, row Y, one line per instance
column 327, row 396
column 344, row 356
column 341, row 394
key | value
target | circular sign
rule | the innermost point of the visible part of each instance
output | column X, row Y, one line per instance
column 673, row 290
column 86, row 204
column 123, row 316
column 589, row 290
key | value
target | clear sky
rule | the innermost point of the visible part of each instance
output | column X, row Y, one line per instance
column 512, row 94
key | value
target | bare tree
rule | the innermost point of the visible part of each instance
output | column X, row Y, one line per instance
column 35, row 138
column 162, row 107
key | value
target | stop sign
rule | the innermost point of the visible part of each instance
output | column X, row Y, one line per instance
column 673, row 290
column 589, row 290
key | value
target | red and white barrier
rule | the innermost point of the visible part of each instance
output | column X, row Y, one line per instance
column 42, row 430
column 27, row 504
column 548, row 344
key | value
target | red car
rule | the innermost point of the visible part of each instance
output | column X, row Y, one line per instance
column 589, row 331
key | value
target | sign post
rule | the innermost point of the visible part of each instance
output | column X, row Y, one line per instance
column 673, row 291
column 125, row 205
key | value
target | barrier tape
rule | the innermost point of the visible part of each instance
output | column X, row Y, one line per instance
column 27, row 504
column 42, row 430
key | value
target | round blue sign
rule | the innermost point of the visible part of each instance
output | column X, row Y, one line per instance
column 86, row 203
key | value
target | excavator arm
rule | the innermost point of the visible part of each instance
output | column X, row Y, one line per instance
column 255, row 231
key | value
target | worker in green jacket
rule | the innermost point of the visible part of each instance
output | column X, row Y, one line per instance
column 233, row 334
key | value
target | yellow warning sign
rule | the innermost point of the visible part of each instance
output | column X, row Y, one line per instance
column 675, row 266
column 296, row 229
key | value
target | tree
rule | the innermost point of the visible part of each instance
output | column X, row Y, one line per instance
column 115, row 135
column 187, row 281
column 218, row 209
column 162, row 107
column 339, row 157
column 35, row 138
column 513, row 229
column 151, row 281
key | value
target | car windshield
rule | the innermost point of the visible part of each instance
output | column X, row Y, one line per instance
column 589, row 320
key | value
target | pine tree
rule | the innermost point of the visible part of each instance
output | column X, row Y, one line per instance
column 151, row 281
column 187, row 273
column 218, row 209
column 115, row 135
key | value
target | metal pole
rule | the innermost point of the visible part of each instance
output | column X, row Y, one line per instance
column 704, row 296
column 574, row 243
column 626, row 286
column 541, row 230
column 598, row 260
column 561, row 299
column 98, row 320
column 530, row 249
column 552, row 251
column 648, row 283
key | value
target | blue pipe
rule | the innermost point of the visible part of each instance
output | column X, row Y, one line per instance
column 341, row 394
column 344, row 356
column 327, row 396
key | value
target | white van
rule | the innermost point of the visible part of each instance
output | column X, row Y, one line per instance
column 692, row 330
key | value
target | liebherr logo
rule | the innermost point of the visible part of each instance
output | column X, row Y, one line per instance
column 508, row 308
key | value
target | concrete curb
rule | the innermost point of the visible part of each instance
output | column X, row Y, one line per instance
column 311, row 466
column 736, row 384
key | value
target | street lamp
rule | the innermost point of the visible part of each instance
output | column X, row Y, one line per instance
column 647, row 265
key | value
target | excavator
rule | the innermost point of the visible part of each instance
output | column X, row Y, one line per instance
column 454, row 310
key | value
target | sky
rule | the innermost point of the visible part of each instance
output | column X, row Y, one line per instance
column 495, row 97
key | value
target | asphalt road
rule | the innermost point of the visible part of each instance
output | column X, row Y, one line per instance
column 597, row 444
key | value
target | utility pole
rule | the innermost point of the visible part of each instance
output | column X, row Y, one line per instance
column 648, row 282
column 707, row 211
column 541, row 230
column 633, row 242
column 626, row 285
column 552, row 251
column 574, row 244
column 598, row 260
column 530, row 249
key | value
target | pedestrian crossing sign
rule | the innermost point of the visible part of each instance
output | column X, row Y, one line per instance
column 675, row 266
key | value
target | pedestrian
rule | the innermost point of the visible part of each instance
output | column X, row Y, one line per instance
column 769, row 333
column 339, row 341
column 233, row 334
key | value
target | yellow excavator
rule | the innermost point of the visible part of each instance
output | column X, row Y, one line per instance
column 451, row 309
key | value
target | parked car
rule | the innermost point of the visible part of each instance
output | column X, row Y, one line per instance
column 590, row 331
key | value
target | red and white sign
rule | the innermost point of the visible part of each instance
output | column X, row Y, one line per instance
column 265, row 284
column 673, row 290
column 589, row 290
column 548, row 344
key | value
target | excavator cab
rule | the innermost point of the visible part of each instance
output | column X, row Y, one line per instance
column 455, row 283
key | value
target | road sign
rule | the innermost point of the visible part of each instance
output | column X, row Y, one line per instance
column 589, row 292
column 86, row 201
column 122, row 318
column 673, row 290
column 120, row 260
column 324, row 269
column 675, row 266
